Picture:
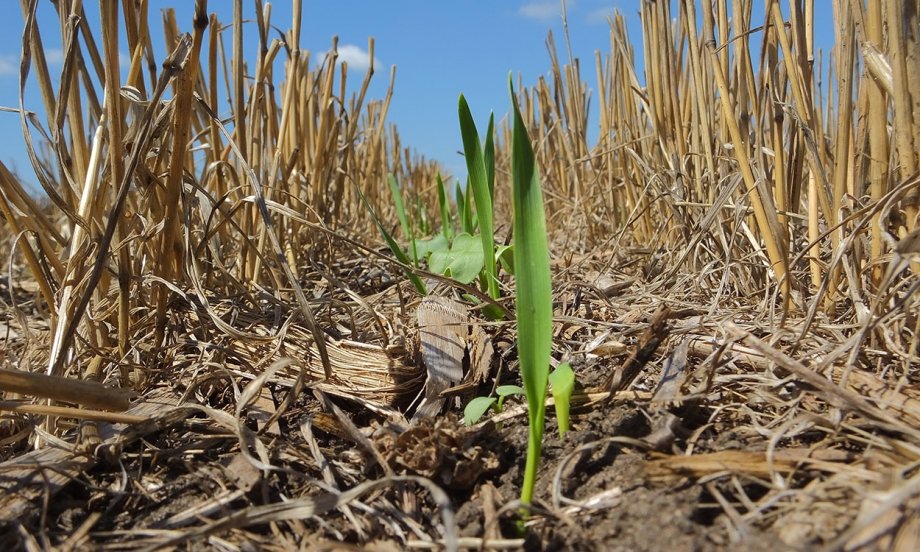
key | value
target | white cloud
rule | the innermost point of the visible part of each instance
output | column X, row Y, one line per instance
column 540, row 10
column 357, row 58
column 9, row 65
column 600, row 16
column 54, row 56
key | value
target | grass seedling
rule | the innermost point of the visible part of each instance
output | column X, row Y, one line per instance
column 463, row 254
column 562, row 384
column 446, row 224
column 404, row 222
column 480, row 165
column 394, row 247
column 464, row 210
column 533, row 291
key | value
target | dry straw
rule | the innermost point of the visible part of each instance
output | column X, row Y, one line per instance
column 203, row 216
column 162, row 202
column 738, row 158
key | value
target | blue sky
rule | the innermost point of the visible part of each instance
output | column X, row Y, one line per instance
column 440, row 49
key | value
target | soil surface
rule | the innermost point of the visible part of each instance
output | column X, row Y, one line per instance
column 709, row 444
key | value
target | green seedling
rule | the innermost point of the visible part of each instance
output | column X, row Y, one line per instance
column 477, row 407
column 446, row 225
column 480, row 166
column 533, row 291
column 397, row 251
column 463, row 260
column 562, row 384
column 464, row 209
column 456, row 254
column 424, row 248
column 469, row 252
column 505, row 256
column 404, row 223
column 421, row 214
column 466, row 253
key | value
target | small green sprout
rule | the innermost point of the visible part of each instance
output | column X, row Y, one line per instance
column 394, row 246
column 562, row 384
column 477, row 407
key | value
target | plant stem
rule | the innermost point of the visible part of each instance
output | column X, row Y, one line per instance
column 534, row 450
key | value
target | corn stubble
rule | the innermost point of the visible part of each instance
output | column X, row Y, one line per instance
column 739, row 154
column 750, row 168
column 186, row 177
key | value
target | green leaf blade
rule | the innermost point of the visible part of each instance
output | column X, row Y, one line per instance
column 426, row 247
column 476, row 409
column 562, row 383
column 533, row 295
column 394, row 247
column 509, row 390
column 446, row 225
column 505, row 256
column 482, row 194
column 401, row 214
column 488, row 151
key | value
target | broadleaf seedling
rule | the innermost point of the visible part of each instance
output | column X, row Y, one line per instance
column 477, row 407
column 463, row 260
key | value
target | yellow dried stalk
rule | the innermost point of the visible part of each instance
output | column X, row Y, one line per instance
column 878, row 134
column 668, row 150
